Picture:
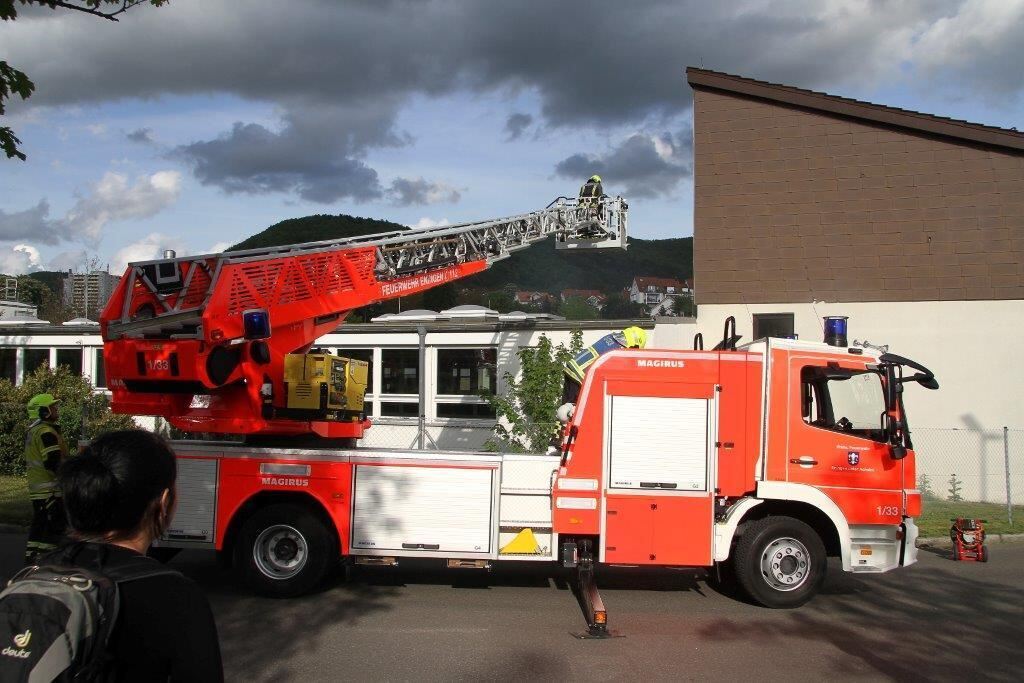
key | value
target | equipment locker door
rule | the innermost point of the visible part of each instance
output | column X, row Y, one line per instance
column 422, row 510
column 659, row 473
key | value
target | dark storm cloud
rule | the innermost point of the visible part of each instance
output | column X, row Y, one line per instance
column 614, row 64
column 143, row 136
column 409, row 191
column 315, row 154
column 31, row 224
column 643, row 165
column 516, row 124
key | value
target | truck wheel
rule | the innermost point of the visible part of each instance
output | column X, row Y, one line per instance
column 983, row 554
column 780, row 562
column 956, row 552
column 284, row 551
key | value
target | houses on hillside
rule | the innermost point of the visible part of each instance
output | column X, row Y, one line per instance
column 659, row 293
column 660, row 296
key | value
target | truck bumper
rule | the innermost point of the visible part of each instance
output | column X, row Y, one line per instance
column 876, row 548
column 909, row 549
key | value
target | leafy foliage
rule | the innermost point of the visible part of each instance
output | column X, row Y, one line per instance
column 15, row 82
column 577, row 308
column 619, row 307
column 526, row 413
column 924, row 485
column 82, row 413
column 955, row 489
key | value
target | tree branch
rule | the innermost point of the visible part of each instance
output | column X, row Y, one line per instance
column 95, row 11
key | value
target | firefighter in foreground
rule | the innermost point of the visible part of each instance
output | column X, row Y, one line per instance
column 629, row 338
column 45, row 450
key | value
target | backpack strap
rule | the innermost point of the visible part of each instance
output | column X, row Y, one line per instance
column 139, row 568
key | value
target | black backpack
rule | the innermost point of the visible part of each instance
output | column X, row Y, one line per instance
column 56, row 617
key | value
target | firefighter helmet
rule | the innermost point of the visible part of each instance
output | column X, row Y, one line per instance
column 39, row 406
column 636, row 338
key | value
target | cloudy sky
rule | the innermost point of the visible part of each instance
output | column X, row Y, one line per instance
column 197, row 124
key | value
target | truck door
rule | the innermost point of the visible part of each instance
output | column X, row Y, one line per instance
column 837, row 439
column 659, row 469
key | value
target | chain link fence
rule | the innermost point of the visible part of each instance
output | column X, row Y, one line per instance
column 971, row 465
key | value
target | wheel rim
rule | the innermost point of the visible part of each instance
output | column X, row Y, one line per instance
column 280, row 551
column 785, row 564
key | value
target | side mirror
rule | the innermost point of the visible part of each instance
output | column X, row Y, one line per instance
column 897, row 452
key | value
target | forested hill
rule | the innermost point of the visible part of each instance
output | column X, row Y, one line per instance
column 540, row 267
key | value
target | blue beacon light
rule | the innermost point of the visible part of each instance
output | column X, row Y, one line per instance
column 835, row 330
column 256, row 323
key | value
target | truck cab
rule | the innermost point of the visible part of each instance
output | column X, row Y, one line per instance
column 766, row 459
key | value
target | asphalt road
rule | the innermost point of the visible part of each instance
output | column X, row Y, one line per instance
column 937, row 620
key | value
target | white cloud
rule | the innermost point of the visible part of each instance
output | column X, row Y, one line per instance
column 67, row 260
column 430, row 223
column 979, row 43
column 113, row 199
column 19, row 259
column 150, row 247
column 217, row 248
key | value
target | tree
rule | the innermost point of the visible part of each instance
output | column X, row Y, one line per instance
column 15, row 82
column 924, row 485
column 440, row 298
column 683, row 306
column 577, row 308
column 83, row 413
column 955, row 489
column 619, row 307
column 500, row 301
column 526, row 413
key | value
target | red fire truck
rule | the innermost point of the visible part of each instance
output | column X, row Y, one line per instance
column 763, row 460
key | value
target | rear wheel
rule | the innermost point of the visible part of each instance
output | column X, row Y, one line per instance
column 956, row 553
column 780, row 562
column 983, row 554
column 285, row 550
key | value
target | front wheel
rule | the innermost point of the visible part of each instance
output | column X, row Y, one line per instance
column 780, row 562
column 285, row 550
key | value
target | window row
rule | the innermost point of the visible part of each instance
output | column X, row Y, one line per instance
column 459, row 376
column 18, row 362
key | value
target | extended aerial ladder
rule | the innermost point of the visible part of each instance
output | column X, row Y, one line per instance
column 202, row 341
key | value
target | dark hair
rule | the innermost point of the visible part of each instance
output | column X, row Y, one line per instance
column 112, row 488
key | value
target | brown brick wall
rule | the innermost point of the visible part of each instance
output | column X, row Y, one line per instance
column 792, row 205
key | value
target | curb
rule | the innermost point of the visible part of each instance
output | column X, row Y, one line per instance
column 945, row 542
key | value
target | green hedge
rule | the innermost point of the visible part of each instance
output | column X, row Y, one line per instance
column 83, row 413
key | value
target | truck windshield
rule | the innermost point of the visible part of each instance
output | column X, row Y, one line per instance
column 854, row 404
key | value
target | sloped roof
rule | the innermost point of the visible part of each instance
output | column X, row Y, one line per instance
column 643, row 283
column 868, row 111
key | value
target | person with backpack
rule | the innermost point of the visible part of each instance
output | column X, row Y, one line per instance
column 45, row 450
column 99, row 608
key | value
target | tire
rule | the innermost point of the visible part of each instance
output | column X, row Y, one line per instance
column 956, row 553
column 284, row 551
column 983, row 554
column 793, row 580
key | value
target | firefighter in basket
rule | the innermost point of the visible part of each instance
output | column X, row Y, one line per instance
column 45, row 450
column 629, row 338
column 590, row 207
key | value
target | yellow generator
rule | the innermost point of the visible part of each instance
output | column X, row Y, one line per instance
column 325, row 386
